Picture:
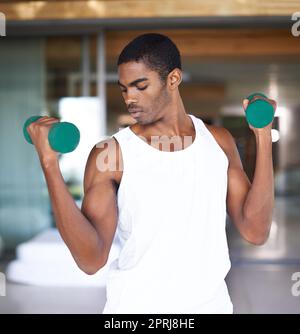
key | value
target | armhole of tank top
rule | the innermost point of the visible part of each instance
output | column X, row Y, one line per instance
column 121, row 146
column 214, row 141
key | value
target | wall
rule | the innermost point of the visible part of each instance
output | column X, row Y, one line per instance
column 24, row 203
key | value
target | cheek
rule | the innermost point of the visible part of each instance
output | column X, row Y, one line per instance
column 154, row 100
column 162, row 98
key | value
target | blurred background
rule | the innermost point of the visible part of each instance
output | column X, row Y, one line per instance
column 58, row 58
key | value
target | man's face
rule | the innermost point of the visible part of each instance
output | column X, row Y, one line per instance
column 143, row 92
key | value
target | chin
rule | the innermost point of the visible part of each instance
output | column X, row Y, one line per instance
column 144, row 121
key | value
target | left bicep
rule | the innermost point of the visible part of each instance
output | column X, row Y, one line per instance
column 238, row 184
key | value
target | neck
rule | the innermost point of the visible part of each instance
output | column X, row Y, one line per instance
column 174, row 120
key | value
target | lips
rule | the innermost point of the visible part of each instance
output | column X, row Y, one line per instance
column 135, row 113
column 132, row 111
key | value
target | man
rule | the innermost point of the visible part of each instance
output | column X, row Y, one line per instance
column 169, row 181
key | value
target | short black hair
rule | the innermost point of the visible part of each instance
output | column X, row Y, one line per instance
column 156, row 51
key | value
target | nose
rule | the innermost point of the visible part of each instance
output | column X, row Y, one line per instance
column 130, row 101
column 130, row 98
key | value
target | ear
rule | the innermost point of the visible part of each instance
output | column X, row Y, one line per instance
column 175, row 78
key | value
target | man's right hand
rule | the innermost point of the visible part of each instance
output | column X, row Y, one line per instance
column 38, row 132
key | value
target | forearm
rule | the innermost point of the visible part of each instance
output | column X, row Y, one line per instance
column 258, row 207
column 78, row 233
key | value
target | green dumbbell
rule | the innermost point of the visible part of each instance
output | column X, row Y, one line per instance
column 259, row 113
column 63, row 137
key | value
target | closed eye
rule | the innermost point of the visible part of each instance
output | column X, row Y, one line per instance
column 139, row 88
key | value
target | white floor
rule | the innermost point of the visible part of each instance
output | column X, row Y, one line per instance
column 263, row 289
column 24, row 299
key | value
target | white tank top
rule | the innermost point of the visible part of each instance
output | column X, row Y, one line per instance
column 171, row 225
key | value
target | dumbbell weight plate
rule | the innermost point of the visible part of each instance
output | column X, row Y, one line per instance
column 259, row 113
column 64, row 137
column 26, row 124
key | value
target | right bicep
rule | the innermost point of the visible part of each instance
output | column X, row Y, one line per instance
column 100, row 208
column 99, row 203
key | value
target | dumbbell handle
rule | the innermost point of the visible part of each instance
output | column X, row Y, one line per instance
column 63, row 137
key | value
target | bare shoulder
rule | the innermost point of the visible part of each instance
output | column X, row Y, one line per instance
column 104, row 162
column 223, row 137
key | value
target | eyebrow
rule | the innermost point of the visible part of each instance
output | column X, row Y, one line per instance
column 133, row 83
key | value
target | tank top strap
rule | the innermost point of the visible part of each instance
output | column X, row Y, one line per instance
column 124, row 139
